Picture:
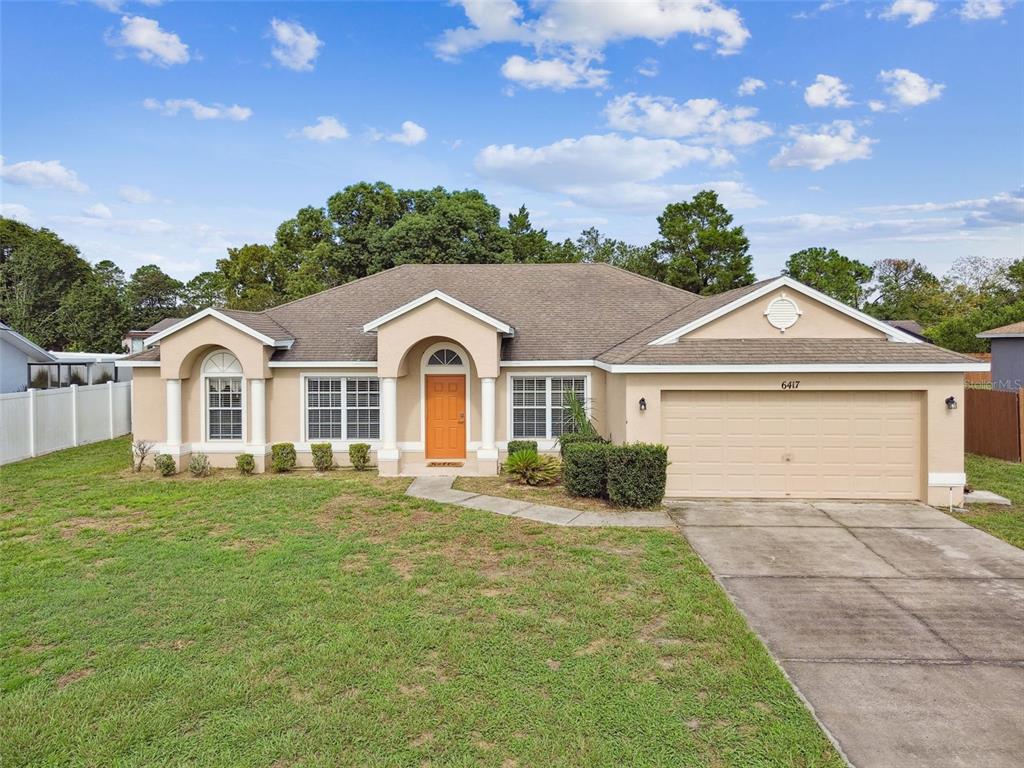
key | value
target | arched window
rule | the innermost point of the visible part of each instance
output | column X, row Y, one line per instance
column 222, row 384
column 445, row 356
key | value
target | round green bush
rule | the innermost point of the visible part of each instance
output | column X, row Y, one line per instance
column 515, row 446
column 165, row 465
column 636, row 474
column 282, row 457
column 323, row 456
column 584, row 469
column 359, row 456
column 245, row 463
column 199, row 465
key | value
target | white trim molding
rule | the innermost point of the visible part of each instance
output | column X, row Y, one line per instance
column 994, row 335
column 285, row 343
column 946, row 478
column 498, row 325
column 322, row 364
column 136, row 363
column 804, row 368
column 894, row 334
column 551, row 364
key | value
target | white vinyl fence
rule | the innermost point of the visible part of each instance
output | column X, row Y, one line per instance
column 43, row 420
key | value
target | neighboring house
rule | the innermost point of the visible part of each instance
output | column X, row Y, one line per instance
column 1007, row 356
column 16, row 352
column 773, row 390
column 78, row 368
column 135, row 341
column 912, row 327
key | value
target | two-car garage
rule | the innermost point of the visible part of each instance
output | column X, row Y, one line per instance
column 794, row 443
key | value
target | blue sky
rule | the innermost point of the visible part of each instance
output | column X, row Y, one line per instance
column 166, row 132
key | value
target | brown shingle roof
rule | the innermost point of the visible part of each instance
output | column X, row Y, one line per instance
column 559, row 312
column 794, row 352
column 1007, row 330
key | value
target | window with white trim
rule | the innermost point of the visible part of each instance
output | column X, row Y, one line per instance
column 339, row 408
column 223, row 375
column 538, row 405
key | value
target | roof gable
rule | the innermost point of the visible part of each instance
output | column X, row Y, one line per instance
column 499, row 325
column 282, row 340
column 765, row 289
column 1011, row 331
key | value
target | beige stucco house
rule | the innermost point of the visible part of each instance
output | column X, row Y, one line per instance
column 772, row 390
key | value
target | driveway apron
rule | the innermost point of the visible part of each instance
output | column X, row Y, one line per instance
column 902, row 627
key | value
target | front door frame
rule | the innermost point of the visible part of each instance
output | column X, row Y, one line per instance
column 465, row 450
column 447, row 370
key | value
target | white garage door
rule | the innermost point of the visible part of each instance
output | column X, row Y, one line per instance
column 795, row 444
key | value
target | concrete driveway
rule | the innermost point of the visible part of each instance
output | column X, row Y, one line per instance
column 902, row 627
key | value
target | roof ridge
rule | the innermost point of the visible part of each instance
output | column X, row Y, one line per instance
column 636, row 275
column 661, row 319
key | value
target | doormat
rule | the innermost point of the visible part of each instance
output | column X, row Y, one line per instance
column 445, row 463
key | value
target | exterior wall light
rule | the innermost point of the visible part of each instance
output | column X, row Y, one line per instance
column 643, row 403
column 951, row 403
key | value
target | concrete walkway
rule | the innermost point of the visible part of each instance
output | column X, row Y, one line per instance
column 440, row 489
column 901, row 626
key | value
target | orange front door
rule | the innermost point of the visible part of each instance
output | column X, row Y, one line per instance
column 446, row 417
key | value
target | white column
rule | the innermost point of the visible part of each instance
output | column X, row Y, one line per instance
column 32, row 421
column 258, row 409
column 110, row 406
column 173, row 436
column 487, row 449
column 389, row 419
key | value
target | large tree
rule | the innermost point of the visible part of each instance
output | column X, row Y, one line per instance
column 642, row 259
column 828, row 271
column 207, row 289
column 706, row 254
column 528, row 244
column 93, row 314
column 904, row 289
column 255, row 277
column 37, row 269
column 152, row 295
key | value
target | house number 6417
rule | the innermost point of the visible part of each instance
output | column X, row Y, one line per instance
column 791, row 384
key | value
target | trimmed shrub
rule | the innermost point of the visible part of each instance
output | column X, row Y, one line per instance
column 636, row 474
column 359, row 455
column 584, row 469
column 245, row 463
column 574, row 438
column 165, row 465
column 199, row 465
column 323, row 456
column 515, row 446
column 282, row 457
column 530, row 468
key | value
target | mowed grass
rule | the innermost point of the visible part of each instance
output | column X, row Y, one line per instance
column 313, row 621
column 1007, row 479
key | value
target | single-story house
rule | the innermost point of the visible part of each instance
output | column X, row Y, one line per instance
column 135, row 340
column 1007, row 356
column 16, row 352
column 771, row 390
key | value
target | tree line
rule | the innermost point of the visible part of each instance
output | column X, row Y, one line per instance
column 49, row 293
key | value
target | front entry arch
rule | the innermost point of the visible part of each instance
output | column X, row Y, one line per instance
column 445, row 416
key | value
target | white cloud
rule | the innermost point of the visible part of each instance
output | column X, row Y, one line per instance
column 876, row 106
column 916, row 11
column 999, row 210
column 910, row 89
column 171, row 107
column 979, row 10
column 827, row 91
column 557, row 74
column 297, row 47
column 836, row 142
column 42, row 174
column 750, row 86
column 114, row 6
column 648, row 68
column 589, row 161
column 326, row 128
column 16, row 211
column 150, row 43
column 411, row 133
column 98, row 211
column 138, row 227
column 706, row 120
column 135, row 195
column 575, row 30
column 645, row 199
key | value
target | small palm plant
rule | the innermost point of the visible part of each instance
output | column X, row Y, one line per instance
column 532, row 469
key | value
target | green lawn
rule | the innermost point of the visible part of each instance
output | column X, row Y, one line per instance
column 330, row 620
column 1007, row 479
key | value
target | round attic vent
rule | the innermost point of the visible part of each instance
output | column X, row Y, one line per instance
column 782, row 313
